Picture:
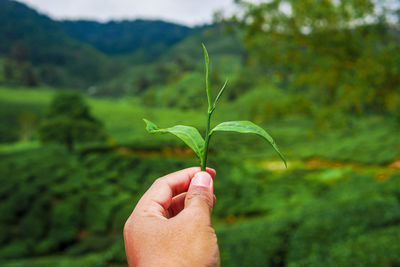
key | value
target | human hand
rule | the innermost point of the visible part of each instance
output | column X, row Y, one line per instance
column 171, row 223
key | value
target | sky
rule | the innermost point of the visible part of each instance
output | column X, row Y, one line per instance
column 189, row 12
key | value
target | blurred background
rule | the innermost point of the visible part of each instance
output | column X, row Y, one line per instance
column 322, row 77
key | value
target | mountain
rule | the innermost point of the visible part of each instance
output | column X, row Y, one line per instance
column 114, row 57
column 123, row 37
column 36, row 45
column 35, row 49
column 21, row 24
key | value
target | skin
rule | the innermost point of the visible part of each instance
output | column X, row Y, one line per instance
column 171, row 224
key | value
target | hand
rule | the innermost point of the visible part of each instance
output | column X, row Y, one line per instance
column 171, row 224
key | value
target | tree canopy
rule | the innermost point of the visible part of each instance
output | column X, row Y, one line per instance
column 68, row 121
column 340, row 53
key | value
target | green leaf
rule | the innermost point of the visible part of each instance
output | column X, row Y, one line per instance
column 247, row 127
column 219, row 94
column 207, row 63
column 187, row 134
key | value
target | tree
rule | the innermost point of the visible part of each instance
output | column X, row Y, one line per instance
column 19, row 53
column 8, row 71
column 338, row 53
column 68, row 121
column 28, row 76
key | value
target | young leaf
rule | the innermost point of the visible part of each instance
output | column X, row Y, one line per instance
column 219, row 94
column 187, row 134
column 247, row 127
column 207, row 63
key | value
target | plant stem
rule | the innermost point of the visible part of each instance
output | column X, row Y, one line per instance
column 207, row 140
column 203, row 161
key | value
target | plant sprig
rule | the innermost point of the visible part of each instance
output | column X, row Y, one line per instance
column 193, row 138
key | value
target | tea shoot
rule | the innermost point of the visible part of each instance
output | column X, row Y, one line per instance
column 193, row 138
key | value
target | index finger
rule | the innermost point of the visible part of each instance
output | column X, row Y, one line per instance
column 159, row 196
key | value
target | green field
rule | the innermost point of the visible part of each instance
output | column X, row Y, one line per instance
column 122, row 117
column 366, row 139
column 69, row 209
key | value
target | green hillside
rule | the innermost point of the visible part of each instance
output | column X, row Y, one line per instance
column 180, row 67
column 125, row 37
column 113, row 59
column 38, row 51
column 299, row 136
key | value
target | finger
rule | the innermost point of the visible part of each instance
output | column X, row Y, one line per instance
column 177, row 205
column 159, row 196
column 211, row 171
column 199, row 198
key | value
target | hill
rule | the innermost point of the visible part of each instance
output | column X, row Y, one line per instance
column 36, row 50
column 124, row 37
column 180, row 69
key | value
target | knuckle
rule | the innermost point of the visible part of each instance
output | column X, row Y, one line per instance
column 128, row 227
column 198, row 197
column 158, row 181
column 132, row 224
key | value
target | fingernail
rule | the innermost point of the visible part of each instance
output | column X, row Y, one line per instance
column 202, row 179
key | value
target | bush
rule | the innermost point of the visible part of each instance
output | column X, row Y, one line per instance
column 69, row 121
column 56, row 202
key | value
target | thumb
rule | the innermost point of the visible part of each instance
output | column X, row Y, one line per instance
column 199, row 198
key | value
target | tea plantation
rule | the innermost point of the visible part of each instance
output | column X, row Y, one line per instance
column 337, row 204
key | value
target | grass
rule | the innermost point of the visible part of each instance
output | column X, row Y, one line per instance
column 37, row 96
column 122, row 117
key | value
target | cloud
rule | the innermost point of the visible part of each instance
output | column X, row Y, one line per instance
column 190, row 12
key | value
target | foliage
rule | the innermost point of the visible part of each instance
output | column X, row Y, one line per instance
column 76, row 204
column 275, row 214
column 47, row 213
column 68, row 121
column 338, row 53
column 309, row 233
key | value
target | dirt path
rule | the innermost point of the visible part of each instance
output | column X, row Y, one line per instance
column 381, row 172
